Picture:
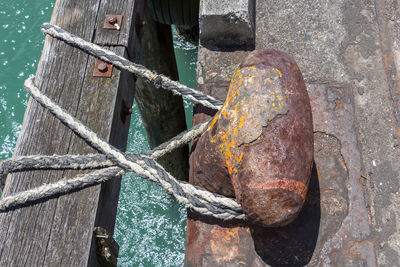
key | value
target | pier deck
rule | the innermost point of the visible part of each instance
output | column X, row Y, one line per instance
column 349, row 54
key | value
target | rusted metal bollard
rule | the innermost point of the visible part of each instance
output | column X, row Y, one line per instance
column 259, row 149
column 259, row 146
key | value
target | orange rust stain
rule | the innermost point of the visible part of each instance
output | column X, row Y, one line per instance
column 241, row 121
column 231, row 144
column 228, row 137
column 228, row 153
column 294, row 186
column 225, row 243
column 213, row 122
column 221, row 148
column 239, row 158
column 224, row 137
column 279, row 72
column 228, row 164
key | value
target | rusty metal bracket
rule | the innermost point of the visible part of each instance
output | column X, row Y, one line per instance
column 112, row 22
column 107, row 247
column 102, row 69
column 125, row 111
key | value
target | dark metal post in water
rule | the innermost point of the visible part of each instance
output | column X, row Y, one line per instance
column 162, row 112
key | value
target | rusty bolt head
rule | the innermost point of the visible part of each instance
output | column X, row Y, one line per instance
column 107, row 252
column 102, row 67
column 112, row 20
column 126, row 111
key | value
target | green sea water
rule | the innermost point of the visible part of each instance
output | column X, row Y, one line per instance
column 150, row 226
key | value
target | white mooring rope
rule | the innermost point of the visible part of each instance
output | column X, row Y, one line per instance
column 139, row 70
column 114, row 162
column 92, row 161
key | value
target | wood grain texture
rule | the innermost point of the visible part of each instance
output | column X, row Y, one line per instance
column 162, row 112
column 114, row 37
column 59, row 231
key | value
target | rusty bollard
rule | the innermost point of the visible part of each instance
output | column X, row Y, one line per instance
column 259, row 146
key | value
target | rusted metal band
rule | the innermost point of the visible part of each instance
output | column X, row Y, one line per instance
column 296, row 187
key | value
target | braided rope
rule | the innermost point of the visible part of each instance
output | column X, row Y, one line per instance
column 157, row 79
column 61, row 187
column 92, row 161
column 193, row 197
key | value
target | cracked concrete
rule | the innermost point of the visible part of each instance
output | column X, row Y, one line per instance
column 349, row 54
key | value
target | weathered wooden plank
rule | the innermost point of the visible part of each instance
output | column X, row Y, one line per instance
column 59, row 231
column 115, row 7
column 75, row 211
column 55, row 63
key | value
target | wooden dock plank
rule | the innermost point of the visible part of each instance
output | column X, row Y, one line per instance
column 59, row 231
column 115, row 7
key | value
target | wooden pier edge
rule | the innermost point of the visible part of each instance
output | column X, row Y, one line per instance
column 59, row 231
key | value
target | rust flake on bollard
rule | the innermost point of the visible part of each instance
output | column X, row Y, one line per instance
column 254, row 99
column 263, row 137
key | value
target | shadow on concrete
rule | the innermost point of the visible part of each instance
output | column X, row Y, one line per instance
column 227, row 47
column 294, row 244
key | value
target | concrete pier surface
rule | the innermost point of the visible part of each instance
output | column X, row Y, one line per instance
column 349, row 54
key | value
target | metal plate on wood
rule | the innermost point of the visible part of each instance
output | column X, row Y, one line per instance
column 102, row 69
column 111, row 21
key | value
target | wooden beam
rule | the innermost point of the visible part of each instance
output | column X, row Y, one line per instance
column 59, row 231
column 162, row 112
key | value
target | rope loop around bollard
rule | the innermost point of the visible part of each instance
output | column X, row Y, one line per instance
column 112, row 162
column 192, row 197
